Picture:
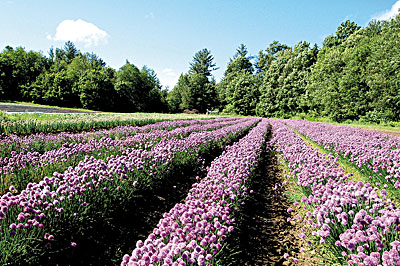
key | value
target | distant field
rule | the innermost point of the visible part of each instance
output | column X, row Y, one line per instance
column 30, row 108
column 392, row 128
column 35, row 119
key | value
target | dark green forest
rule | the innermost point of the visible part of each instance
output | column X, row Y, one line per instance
column 69, row 78
column 355, row 75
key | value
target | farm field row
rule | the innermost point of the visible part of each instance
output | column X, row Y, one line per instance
column 353, row 222
column 184, row 192
column 25, row 164
column 193, row 232
column 25, row 124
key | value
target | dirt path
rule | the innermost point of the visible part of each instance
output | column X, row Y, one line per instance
column 263, row 232
column 23, row 108
column 391, row 132
column 267, row 231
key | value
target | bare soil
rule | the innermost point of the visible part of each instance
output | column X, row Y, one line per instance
column 263, row 234
column 391, row 132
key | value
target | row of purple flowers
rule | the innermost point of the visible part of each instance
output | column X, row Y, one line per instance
column 376, row 153
column 354, row 219
column 22, row 168
column 45, row 141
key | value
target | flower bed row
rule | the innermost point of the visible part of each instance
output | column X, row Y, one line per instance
column 42, row 209
column 22, row 168
column 356, row 221
column 377, row 154
column 23, row 124
column 42, row 142
column 191, row 233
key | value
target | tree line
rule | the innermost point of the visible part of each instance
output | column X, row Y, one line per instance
column 69, row 78
column 355, row 75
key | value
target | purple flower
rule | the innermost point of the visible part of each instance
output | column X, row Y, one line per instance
column 302, row 235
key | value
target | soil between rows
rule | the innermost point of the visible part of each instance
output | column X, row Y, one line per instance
column 263, row 234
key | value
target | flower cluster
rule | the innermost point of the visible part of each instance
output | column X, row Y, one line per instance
column 17, row 169
column 33, row 142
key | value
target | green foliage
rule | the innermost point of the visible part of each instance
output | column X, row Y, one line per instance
column 54, row 88
column 174, row 97
column 71, row 79
column 156, row 99
column 96, row 90
column 240, row 61
column 202, row 63
column 237, row 92
column 18, row 68
column 242, row 94
column 139, row 90
column 355, row 76
column 128, row 86
column 195, row 90
column 358, row 77
column 343, row 32
column 284, row 83
column 264, row 60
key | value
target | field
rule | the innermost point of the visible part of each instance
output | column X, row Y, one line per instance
column 196, row 190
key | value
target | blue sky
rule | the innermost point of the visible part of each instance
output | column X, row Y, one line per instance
column 164, row 35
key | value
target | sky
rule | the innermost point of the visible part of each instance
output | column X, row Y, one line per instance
column 165, row 35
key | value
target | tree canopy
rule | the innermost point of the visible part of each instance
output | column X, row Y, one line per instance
column 70, row 78
column 203, row 63
column 195, row 89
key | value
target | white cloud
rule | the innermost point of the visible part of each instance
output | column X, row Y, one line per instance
column 388, row 14
column 169, row 72
column 79, row 31
column 168, row 78
column 150, row 15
